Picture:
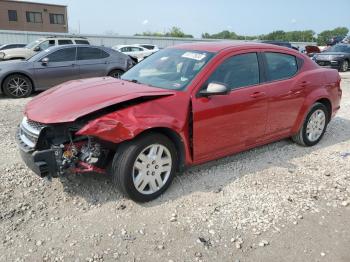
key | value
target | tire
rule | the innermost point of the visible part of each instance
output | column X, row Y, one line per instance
column 127, row 165
column 17, row 86
column 304, row 137
column 116, row 73
column 344, row 66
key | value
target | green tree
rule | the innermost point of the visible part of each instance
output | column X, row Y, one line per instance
column 173, row 32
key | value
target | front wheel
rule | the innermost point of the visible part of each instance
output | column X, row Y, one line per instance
column 314, row 126
column 116, row 73
column 17, row 86
column 143, row 168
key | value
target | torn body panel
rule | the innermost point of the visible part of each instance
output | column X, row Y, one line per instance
column 129, row 122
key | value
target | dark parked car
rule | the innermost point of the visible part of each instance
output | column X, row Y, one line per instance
column 59, row 64
column 335, row 40
column 337, row 57
column 180, row 107
column 11, row 46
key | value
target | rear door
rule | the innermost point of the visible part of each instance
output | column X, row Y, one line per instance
column 286, row 92
column 92, row 62
column 60, row 68
column 224, row 124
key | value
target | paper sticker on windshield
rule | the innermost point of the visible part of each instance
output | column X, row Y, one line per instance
column 195, row 56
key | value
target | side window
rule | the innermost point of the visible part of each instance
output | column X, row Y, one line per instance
column 63, row 55
column 136, row 49
column 124, row 49
column 237, row 71
column 46, row 44
column 65, row 42
column 82, row 42
column 280, row 66
column 88, row 53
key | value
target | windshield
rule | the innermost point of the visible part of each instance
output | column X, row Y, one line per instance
column 169, row 68
column 339, row 48
column 32, row 44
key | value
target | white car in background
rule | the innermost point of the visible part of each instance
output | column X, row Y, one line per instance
column 135, row 51
column 153, row 48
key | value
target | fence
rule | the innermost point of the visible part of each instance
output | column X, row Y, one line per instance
column 106, row 40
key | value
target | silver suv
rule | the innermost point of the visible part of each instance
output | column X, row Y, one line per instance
column 38, row 45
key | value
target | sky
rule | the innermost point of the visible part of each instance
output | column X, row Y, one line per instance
column 247, row 17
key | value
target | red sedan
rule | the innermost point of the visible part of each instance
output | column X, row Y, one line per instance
column 182, row 106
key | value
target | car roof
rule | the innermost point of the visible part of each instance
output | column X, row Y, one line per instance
column 219, row 46
column 58, row 47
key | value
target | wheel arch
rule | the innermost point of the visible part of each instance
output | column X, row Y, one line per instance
column 16, row 73
column 328, row 104
column 174, row 137
column 306, row 107
column 115, row 68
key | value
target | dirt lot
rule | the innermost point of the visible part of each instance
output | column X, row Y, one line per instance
column 279, row 202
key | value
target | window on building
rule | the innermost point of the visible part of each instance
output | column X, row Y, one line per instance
column 12, row 15
column 57, row 19
column 34, row 17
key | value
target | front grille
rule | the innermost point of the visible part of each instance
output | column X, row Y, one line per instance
column 29, row 132
column 35, row 125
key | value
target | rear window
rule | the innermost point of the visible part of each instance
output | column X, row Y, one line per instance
column 65, row 42
column 90, row 53
column 82, row 42
column 280, row 66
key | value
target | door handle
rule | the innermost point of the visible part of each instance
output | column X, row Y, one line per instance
column 257, row 95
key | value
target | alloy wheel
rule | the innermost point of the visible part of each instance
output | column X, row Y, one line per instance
column 18, row 87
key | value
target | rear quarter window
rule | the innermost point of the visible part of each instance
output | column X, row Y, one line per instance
column 82, row 42
column 280, row 66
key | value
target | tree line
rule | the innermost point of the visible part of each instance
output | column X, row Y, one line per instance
column 279, row 35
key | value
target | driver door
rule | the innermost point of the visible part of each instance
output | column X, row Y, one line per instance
column 60, row 68
column 224, row 124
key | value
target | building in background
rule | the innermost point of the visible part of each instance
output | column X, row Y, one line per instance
column 30, row 16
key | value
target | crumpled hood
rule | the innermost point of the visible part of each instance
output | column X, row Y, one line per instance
column 74, row 99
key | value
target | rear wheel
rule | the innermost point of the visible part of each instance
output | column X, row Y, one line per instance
column 314, row 126
column 344, row 66
column 17, row 86
column 116, row 73
column 143, row 168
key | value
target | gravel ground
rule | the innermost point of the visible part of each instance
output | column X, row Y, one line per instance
column 279, row 202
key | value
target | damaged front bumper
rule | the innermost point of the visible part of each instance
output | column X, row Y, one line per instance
column 53, row 160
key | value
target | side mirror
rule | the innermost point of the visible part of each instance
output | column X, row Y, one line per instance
column 37, row 49
column 44, row 61
column 214, row 89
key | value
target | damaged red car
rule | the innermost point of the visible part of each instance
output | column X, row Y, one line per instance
column 182, row 106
